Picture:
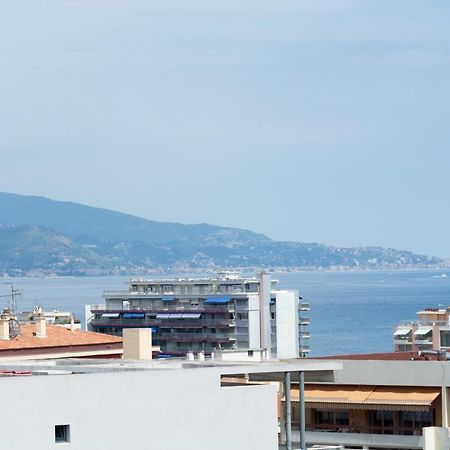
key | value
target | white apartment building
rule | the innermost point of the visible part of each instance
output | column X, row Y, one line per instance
column 226, row 312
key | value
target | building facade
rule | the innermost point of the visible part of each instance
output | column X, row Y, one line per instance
column 170, row 405
column 206, row 314
column 430, row 332
column 378, row 404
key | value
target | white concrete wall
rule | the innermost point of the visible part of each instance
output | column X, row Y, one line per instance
column 436, row 438
column 88, row 316
column 254, row 326
column 264, row 305
column 287, row 324
column 396, row 373
column 162, row 409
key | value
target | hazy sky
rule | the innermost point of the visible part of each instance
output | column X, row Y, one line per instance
column 314, row 120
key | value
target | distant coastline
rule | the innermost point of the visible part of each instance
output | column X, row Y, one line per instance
column 40, row 237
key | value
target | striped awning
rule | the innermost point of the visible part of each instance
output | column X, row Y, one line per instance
column 388, row 398
column 402, row 331
column 422, row 331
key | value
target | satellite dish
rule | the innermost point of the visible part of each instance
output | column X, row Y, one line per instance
column 14, row 328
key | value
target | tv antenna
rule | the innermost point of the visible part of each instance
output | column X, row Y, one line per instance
column 12, row 303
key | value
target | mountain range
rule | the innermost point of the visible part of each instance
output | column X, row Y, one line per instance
column 43, row 236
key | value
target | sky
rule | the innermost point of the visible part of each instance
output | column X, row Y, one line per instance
column 308, row 120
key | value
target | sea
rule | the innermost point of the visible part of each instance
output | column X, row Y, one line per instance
column 351, row 312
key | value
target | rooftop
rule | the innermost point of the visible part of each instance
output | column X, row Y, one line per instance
column 57, row 336
column 272, row 370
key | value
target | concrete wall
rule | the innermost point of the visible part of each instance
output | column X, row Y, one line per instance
column 254, row 326
column 287, row 324
column 396, row 373
column 159, row 409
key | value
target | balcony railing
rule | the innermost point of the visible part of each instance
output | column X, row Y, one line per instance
column 402, row 342
column 427, row 323
column 128, row 294
column 423, row 342
column 195, row 337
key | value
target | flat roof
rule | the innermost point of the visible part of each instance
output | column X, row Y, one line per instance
column 272, row 370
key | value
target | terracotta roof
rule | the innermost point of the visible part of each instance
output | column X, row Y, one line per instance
column 367, row 397
column 57, row 336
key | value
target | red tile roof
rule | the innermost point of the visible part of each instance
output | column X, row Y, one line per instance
column 57, row 336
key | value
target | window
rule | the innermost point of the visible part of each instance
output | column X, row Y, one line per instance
column 445, row 339
column 335, row 418
column 62, row 433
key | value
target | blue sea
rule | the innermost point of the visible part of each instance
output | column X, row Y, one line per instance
column 351, row 312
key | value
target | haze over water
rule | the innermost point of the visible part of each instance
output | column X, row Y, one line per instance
column 351, row 312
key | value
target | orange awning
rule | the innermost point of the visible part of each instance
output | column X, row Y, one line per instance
column 394, row 398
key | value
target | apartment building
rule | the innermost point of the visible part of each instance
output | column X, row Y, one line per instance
column 382, row 401
column 430, row 331
column 225, row 312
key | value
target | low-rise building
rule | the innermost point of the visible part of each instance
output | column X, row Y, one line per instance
column 39, row 340
column 226, row 312
column 430, row 331
column 378, row 402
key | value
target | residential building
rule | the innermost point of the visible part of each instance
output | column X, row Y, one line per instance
column 54, row 317
column 431, row 331
column 42, row 341
column 160, row 404
column 225, row 312
column 377, row 402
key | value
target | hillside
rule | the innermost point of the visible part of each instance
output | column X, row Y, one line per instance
column 38, row 235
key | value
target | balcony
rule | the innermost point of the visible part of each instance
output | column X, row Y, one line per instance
column 188, row 308
column 155, row 295
column 426, row 323
column 360, row 440
column 402, row 342
column 304, row 307
column 195, row 337
column 423, row 342
column 162, row 323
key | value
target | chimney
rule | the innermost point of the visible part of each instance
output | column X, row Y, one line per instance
column 137, row 343
column 41, row 326
column 72, row 323
column 4, row 327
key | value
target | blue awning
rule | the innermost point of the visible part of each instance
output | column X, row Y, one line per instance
column 167, row 298
column 133, row 315
column 219, row 300
column 191, row 315
column 176, row 316
column 163, row 316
